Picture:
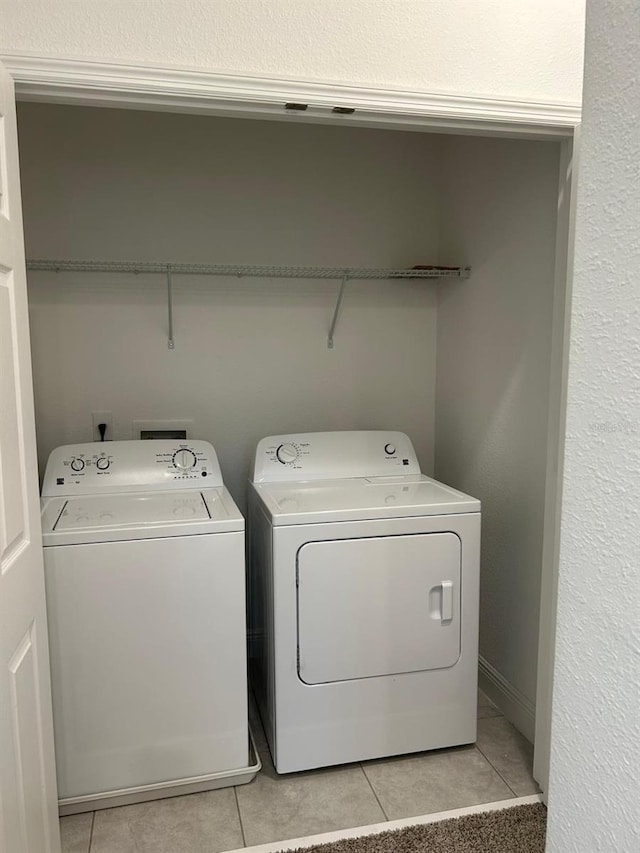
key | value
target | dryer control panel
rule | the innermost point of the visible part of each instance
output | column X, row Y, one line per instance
column 130, row 466
column 334, row 455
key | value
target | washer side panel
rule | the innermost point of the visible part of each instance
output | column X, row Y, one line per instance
column 148, row 660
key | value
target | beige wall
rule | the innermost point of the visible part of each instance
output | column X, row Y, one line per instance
column 494, row 343
column 530, row 50
column 594, row 789
column 251, row 356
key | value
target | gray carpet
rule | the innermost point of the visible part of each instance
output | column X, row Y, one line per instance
column 519, row 829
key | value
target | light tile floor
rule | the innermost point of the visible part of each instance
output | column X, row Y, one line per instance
column 274, row 808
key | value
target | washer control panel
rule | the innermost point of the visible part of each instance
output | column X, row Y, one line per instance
column 126, row 466
column 334, row 455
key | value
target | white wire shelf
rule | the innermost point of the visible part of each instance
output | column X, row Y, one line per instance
column 341, row 274
column 242, row 270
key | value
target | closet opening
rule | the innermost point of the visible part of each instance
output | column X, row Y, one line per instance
column 470, row 366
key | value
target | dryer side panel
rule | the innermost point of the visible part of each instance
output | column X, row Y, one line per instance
column 261, row 613
column 378, row 606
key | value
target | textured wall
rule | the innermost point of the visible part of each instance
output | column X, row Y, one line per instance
column 594, row 791
column 251, row 356
column 492, row 392
column 529, row 50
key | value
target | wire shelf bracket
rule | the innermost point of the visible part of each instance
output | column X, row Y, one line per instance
column 170, row 341
column 332, row 328
column 169, row 270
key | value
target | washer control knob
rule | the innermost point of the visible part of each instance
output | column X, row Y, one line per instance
column 184, row 460
column 389, row 449
column 102, row 463
column 77, row 464
column 287, row 454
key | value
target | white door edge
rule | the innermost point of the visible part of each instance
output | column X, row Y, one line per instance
column 28, row 796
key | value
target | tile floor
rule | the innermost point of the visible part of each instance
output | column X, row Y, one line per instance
column 274, row 808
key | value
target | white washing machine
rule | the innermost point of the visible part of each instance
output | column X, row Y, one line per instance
column 364, row 600
column 145, row 581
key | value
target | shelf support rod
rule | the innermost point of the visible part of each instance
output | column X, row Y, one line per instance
column 170, row 341
column 332, row 328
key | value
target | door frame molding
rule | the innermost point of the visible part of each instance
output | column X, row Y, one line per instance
column 184, row 90
column 556, row 433
column 90, row 83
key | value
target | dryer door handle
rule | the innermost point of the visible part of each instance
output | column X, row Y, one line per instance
column 441, row 602
column 447, row 601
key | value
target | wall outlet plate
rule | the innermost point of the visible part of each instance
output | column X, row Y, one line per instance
column 142, row 429
column 102, row 418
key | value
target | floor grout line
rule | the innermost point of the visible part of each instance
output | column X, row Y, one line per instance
column 491, row 764
column 244, row 840
column 93, row 823
column 382, row 809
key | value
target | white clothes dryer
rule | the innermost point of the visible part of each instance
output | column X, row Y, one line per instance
column 363, row 600
column 145, row 583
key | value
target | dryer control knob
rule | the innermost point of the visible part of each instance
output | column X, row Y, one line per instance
column 102, row 463
column 183, row 460
column 287, row 454
column 77, row 464
column 389, row 449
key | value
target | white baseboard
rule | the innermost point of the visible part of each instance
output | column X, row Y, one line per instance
column 514, row 705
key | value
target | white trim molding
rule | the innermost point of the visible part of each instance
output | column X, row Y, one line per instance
column 86, row 82
column 514, row 705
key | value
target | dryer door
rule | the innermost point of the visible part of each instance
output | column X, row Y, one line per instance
column 378, row 606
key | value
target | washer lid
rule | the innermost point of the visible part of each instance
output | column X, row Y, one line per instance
column 108, row 518
column 361, row 499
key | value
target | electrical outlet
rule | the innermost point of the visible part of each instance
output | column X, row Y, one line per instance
column 102, row 418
